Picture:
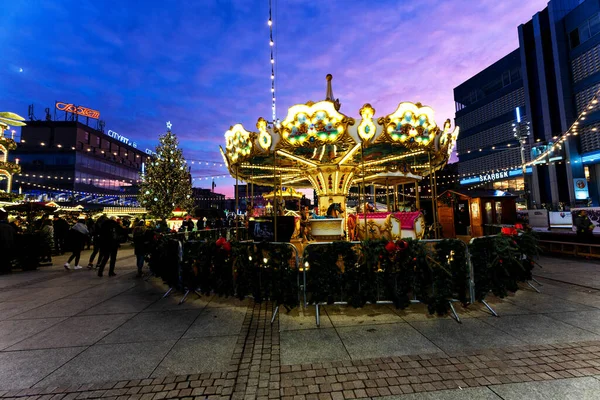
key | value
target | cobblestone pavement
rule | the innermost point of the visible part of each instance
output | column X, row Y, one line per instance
column 71, row 335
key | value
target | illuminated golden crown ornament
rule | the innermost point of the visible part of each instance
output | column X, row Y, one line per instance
column 366, row 128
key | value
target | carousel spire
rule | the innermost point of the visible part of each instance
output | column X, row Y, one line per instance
column 329, row 93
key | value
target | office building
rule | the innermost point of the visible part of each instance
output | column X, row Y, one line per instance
column 489, row 106
column 559, row 58
column 69, row 160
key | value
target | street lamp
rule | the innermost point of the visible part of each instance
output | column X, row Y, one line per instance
column 522, row 130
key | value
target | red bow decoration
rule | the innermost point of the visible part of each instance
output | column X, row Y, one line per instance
column 223, row 244
column 399, row 245
column 390, row 246
column 509, row 231
column 518, row 226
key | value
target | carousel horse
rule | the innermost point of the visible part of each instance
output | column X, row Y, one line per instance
column 334, row 210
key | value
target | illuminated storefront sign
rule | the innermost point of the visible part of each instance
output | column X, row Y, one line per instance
column 79, row 110
column 121, row 138
column 491, row 177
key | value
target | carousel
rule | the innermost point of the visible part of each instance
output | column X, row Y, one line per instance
column 318, row 147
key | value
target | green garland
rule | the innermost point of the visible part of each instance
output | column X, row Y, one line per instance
column 501, row 262
column 384, row 270
column 246, row 271
column 395, row 279
column 324, row 280
column 264, row 272
column 449, row 199
column 360, row 273
column 451, row 278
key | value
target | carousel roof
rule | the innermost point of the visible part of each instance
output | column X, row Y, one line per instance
column 317, row 136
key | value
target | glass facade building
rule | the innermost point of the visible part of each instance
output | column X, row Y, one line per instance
column 68, row 156
column 559, row 72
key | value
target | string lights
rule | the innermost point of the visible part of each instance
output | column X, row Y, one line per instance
column 272, row 50
column 573, row 130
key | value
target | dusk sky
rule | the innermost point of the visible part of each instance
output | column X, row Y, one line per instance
column 204, row 64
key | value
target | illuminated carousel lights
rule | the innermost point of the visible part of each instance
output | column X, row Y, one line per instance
column 394, row 158
column 268, row 168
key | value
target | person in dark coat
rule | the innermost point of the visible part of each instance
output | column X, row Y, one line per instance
column 585, row 227
column 140, row 245
column 76, row 238
column 96, row 240
column 61, row 230
column 187, row 224
column 111, row 234
column 89, row 223
column 7, row 243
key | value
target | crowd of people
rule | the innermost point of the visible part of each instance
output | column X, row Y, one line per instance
column 61, row 234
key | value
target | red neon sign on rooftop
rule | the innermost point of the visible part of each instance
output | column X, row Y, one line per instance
column 79, row 110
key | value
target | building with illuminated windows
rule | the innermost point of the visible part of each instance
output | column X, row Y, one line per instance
column 486, row 112
column 68, row 159
column 527, row 101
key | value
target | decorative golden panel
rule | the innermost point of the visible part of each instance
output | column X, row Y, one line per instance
column 239, row 143
column 411, row 124
column 314, row 124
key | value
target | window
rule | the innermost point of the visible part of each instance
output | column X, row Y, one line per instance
column 86, row 137
column 584, row 32
column 97, row 141
column 574, row 38
column 515, row 74
column 505, row 78
column 594, row 25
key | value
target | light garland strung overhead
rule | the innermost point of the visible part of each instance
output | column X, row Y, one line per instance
column 55, row 189
column 573, row 130
column 272, row 50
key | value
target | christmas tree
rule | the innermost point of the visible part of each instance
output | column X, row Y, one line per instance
column 166, row 183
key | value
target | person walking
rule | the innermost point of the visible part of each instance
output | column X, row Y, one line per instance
column 89, row 223
column 111, row 234
column 77, row 236
column 96, row 241
column 61, row 230
column 140, row 245
column 7, row 243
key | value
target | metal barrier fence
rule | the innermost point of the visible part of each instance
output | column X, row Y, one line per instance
column 300, row 266
column 429, row 242
column 260, row 279
column 490, row 309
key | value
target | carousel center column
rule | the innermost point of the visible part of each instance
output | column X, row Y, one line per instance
column 331, row 183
